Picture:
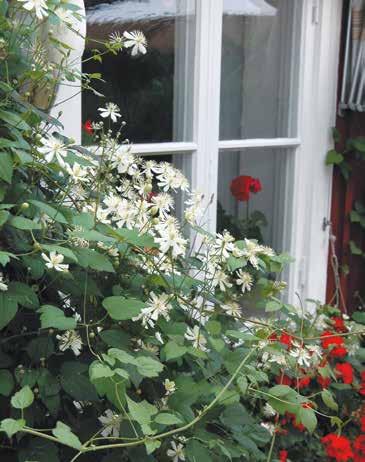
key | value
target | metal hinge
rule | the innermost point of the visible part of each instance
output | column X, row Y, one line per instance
column 315, row 11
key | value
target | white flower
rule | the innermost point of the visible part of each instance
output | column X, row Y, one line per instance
column 270, row 427
column 224, row 244
column 170, row 386
column 159, row 337
column 78, row 173
column 3, row 286
column 250, row 252
column 302, row 355
column 64, row 15
column 124, row 161
column 157, row 306
column 170, row 238
column 245, row 280
column 232, row 309
column 116, row 39
column 39, row 6
column 55, row 261
column 53, row 147
column 177, row 452
column 221, row 279
column 194, row 335
column 111, row 423
column 70, row 340
column 162, row 203
column 110, row 110
column 137, row 41
column 268, row 411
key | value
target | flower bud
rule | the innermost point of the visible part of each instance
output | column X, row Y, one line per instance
column 24, row 206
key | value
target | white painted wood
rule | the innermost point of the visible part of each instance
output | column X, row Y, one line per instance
column 164, row 148
column 233, row 145
column 312, row 179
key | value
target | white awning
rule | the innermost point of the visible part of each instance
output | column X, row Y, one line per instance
column 152, row 10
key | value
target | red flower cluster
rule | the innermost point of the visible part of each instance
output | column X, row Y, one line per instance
column 339, row 324
column 345, row 372
column 329, row 340
column 88, row 128
column 243, row 185
column 359, row 449
column 283, row 456
column 324, row 382
column 362, row 384
column 338, row 447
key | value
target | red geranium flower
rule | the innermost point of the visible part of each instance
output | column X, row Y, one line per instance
column 283, row 380
column 303, row 382
column 339, row 324
column 243, row 185
column 359, row 449
column 345, row 371
column 88, row 127
column 362, row 423
column 324, row 382
column 283, row 455
column 329, row 339
column 338, row 352
column 286, row 339
column 337, row 447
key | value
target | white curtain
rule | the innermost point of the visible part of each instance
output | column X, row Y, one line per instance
column 353, row 85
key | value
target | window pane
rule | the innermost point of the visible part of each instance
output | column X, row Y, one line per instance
column 154, row 91
column 265, row 214
column 260, row 47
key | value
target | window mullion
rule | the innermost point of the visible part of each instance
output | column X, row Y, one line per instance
column 207, row 102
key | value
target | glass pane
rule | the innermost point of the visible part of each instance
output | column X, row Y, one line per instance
column 253, row 195
column 259, row 60
column 153, row 91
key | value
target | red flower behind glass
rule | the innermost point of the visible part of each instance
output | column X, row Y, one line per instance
column 243, row 185
column 88, row 127
column 338, row 447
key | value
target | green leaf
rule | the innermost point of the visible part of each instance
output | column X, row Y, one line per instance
column 48, row 210
column 152, row 445
column 14, row 119
column 8, row 309
column 22, row 398
column 120, row 308
column 148, row 367
column 242, row 385
column 165, row 418
column 4, row 215
column 99, row 370
column 133, row 237
column 308, row 418
column 6, row 167
column 196, row 452
column 23, row 294
column 173, row 351
column 142, row 413
column 23, row 223
column 328, row 400
column 11, row 426
column 40, row 347
column 333, row 157
column 39, row 450
column 64, row 434
column 6, row 382
column 5, row 257
column 75, row 383
column 95, row 260
column 358, row 144
column 273, row 305
column 359, row 316
column 52, row 316
column 355, row 250
column 115, row 338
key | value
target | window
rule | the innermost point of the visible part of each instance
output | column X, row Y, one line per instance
column 230, row 88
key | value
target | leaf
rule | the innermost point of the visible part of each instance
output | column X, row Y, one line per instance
column 328, row 400
column 48, row 210
column 359, row 316
column 14, row 119
column 75, row 383
column 358, row 144
column 99, row 370
column 165, row 418
column 22, row 398
column 133, row 237
column 52, row 316
column 196, row 452
column 242, row 385
column 6, row 382
column 6, row 167
column 355, row 250
column 64, row 434
column 95, row 260
column 173, row 351
column 333, row 157
column 142, row 413
column 23, row 294
column 8, row 309
column 4, row 215
column 273, row 305
column 120, row 308
column 12, row 426
column 148, row 367
column 308, row 418
column 23, row 223
column 152, row 445
column 115, row 338
column 5, row 257
column 39, row 450
column 41, row 347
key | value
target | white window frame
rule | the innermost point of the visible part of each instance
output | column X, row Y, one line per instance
column 309, row 179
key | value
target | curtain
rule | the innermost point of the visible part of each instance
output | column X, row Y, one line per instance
column 353, row 85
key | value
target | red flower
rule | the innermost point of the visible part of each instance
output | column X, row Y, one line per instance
column 286, row 339
column 339, row 324
column 337, row 447
column 324, row 382
column 241, row 186
column 331, row 340
column 88, row 127
column 338, row 352
column 362, row 423
column 283, row 380
column 359, row 449
column 345, row 371
column 303, row 382
column 283, row 455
